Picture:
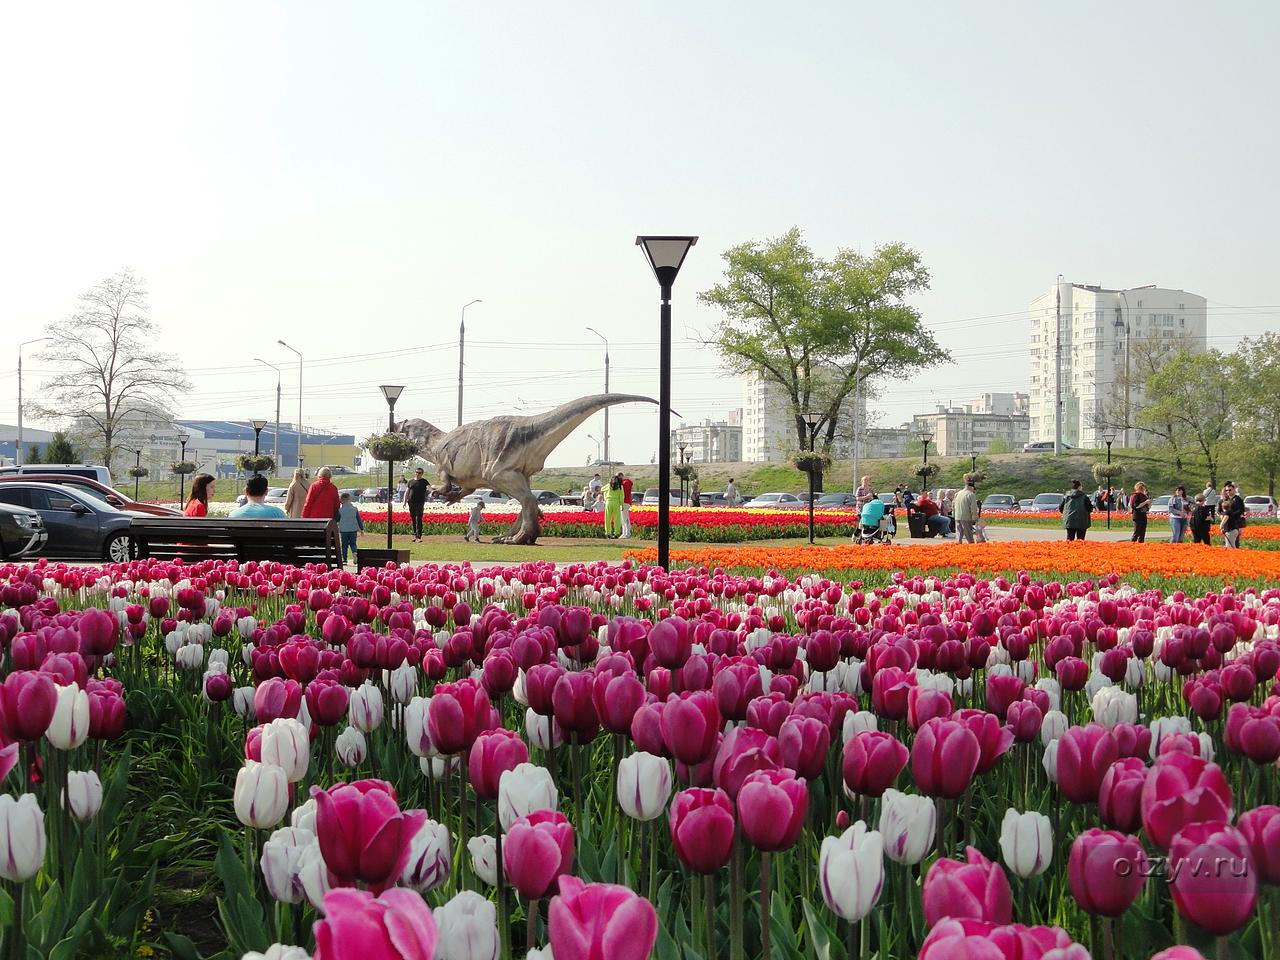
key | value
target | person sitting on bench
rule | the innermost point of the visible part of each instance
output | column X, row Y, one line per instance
column 933, row 517
column 256, row 508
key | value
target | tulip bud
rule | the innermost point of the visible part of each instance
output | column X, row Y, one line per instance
column 403, row 683
column 543, row 732
column 614, row 920
column 261, row 794
column 851, row 871
column 190, row 657
column 304, row 816
column 286, row 744
column 429, row 863
column 1026, row 842
column 908, row 824
column 365, row 708
column 22, row 839
column 1106, row 870
column 278, row 951
column 1053, row 726
column 1112, row 705
column 702, row 829
column 644, row 785
column 70, row 724
column 242, row 703
column 1215, row 885
column 484, row 858
column 351, row 747
column 281, row 855
column 524, row 790
column 313, row 876
column 467, row 928
column 537, row 850
column 83, row 797
column 976, row 889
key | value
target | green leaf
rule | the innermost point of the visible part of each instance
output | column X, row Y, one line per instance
column 666, row 948
column 6, row 909
column 182, row 947
column 818, row 933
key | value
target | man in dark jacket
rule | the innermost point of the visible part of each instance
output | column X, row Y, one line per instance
column 1231, row 506
column 1077, row 512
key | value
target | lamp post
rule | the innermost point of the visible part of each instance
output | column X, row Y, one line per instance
column 811, row 420
column 137, row 466
column 680, row 447
column 275, row 441
column 462, row 339
column 973, row 463
column 606, row 387
column 182, row 459
column 287, row 347
column 1109, row 438
column 592, row 436
column 26, row 343
column 666, row 256
column 257, row 436
column 392, row 394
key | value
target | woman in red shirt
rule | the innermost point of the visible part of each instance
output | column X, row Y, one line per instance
column 201, row 491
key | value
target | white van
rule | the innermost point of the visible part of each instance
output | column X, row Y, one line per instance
column 101, row 474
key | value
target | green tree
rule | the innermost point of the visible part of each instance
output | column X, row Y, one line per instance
column 1257, row 395
column 999, row 445
column 819, row 328
column 60, row 450
column 33, row 454
column 1192, row 394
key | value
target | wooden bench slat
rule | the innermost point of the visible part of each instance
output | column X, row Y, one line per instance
column 217, row 538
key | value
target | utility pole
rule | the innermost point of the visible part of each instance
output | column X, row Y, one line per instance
column 1127, row 410
column 1057, row 372
column 857, row 425
column 462, row 339
column 606, row 388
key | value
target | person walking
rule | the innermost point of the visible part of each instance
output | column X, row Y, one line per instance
column 695, row 493
column 596, row 488
column 1179, row 514
column 1077, row 512
column 350, row 526
column 1211, row 497
column 296, row 495
column 1139, row 507
column 731, row 497
column 322, row 498
column 416, row 499
column 1201, row 521
column 627, row 487
column 1231, row 507
column 255, row 506
column 864, row 494
column 201, row 491
column 473, row 522
column 613, row 508
column 402, row 489
column 966, row 511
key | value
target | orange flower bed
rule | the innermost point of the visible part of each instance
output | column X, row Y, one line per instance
column 1269, row 531
column 1170, row 560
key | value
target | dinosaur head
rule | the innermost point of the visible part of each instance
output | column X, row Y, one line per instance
column 426, row 434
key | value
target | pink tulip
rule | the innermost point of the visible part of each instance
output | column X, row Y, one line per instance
column 1261, row 827
column 702, row 829
column 458, row 713
column 954, row 939
column 671, row 642
column 27, row 702
column 327, row 701
column 1084, row 755
column 1181, row 789
column 1106, row 870
column 98, row 631
column 1120, row 796
column 395, row 926
column 363, row 834
column 871, row 762
column 616, row 699
column 572, row 706
column 804, row 742
column 275, row 699
column 600, row 921
column 1024, row 720
column 976, row 889
column 537, row 850
column 925, row 703
column 944, row 757
column 994, row 739
column 1212, row 880
column 742, row 752
column 1003, row 690
column 771, row 808
column 1179, row 952
column 690, row 723
column 494, row 753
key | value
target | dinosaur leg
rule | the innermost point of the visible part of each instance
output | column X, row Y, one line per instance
column 527, row 528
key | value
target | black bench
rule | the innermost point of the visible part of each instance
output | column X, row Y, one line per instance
column 217, row 538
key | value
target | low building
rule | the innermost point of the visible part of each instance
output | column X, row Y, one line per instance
column 31, row 439
column 885, row 443
column 959, row 432
column 708, row 442
column 213, row 446
column 769, row 427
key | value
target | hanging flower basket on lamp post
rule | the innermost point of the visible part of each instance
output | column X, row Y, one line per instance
column 251, row 463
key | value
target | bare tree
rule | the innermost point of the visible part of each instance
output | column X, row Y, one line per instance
column 1122, row 408
column 109, row 369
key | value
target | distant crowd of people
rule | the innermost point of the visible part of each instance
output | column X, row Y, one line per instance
column 1187, row 515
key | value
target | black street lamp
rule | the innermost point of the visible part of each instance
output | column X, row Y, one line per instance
column 973, row 463
column 182, row 459
column 811, row 420
column 665, row 256
column 392, row 394
column 137, row 471
column 1109, row 438
column 926, row 438
column 680, row 447
column 257, row 436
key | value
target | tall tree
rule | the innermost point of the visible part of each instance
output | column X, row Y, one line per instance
column 109, row 368
column 33, row 454
column 1194, row 394
column 818, row 328
column 59, row 449
column 1122, row 408
column 1258, row 404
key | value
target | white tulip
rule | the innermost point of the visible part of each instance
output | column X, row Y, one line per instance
column 437, row 768
column 1050, row 761
column 242, row 703
column 304, row 816
column 261, row 794
column 313, row 876
column 351, row 747
column 365, row 708
column 1097, row 681
column 467, row 928
column 221, row 658
column 281, row 856
column 1112, row 705
column 908, row 824
column 1162, row 727
column 1135, row 673
column 429, row 863
column 415, row 727
column 22, row 840
column 278, row 951
column 403, row 683
column 190, row 657
column 851, row 871
column 523, row 790
column 484, row 858
column 286, row 744
column 1054, row 690
column 1053, row 726
column 543, row 954
column 70, row 724
column 856, row 722
column 245, row 627
column 83, row 796
column 644, row 785
column 1026, row 842
column 543, row 732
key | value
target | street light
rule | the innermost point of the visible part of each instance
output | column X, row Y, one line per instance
column 275, row 442
column 591, row 436
column 811, row 420
column 973, row 463
column 680, row 447
column 25, row 343
column 462, row 338
column 257, row 435
column 137, row 468
column 666, row 256
column 606, row 387
column 392, row 394
column 1109, row 438
column 287, row 347
column 182, row 459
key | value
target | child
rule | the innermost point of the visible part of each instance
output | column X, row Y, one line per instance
column 1201, row 520
column 473, row 522
column 350, row 525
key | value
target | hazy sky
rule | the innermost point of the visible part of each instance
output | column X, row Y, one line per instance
column 346, row 176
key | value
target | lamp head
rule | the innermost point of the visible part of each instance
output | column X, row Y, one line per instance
column 1109, row 437
column 665, row 255
column 258, row 424
column 926, row 436
column 183, row 437
column 811, row 418
column 391, row 394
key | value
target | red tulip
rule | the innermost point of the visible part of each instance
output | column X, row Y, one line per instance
column 944, row 758
column 771, row 808
column 327, row 701
column 458, row 713
column 690, row 723
column 871, row 762
column 702, row 829
column 976, row 889
column 1003, row 690
column 494, row 753
column 537, row 850
column 1181, row 789
column 1211, row 879
column 1084, row 755
column 804, row 742
column 363, row 834
column 1120, row 795
column 395, row 926
column 671, row 642
column 1106, row 870
column 106, row 714
column 600, row 921
column 1025, row 719
column 98, row 631
column 890, row 687
column 1261, row 827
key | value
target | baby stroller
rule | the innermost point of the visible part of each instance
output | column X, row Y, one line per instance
column 873, row 529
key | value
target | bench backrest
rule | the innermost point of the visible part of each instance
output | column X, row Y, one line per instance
column 217, row 538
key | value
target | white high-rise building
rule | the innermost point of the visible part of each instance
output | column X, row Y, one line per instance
column 1100, row 329
column 768, row 426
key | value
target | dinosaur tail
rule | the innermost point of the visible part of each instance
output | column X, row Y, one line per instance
column 557, row 424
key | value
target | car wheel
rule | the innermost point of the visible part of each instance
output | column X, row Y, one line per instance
column 118, row 549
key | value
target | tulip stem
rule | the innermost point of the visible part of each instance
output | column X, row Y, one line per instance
column 653, row 863
column 1108, row 938
column 709, row 895
column 1222, row 948
column 504, row 918
column 853, row 939
column 941, row 826
column 17, row 949
column 462, row 821
column 531, row 925
column 735, row 899
column 766, row 865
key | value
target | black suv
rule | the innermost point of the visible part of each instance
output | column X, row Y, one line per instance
column 22, row 532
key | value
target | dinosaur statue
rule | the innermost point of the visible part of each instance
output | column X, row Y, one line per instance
column 504, row 452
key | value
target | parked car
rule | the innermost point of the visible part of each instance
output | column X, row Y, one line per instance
column 545, row 498
column 607, row 463
column 1160, row 504
column 92, row 488
column 101, row 474
column 775, row 501
column 1260, row 506
column 277, row 494
column 340, row 471
column 888, row 499
column 490, row 497
column 714, row 499
column 1043, row 446
column 1027, row 504
column 651, row 497
column 835, row 501
column 373, row 495
column 999, row 501
column 22, row 532
column 77, row 524
column 1048, row 502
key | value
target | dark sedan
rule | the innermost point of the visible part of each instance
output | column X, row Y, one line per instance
column 837, row 501
column 22, row 532
column 95, row 490
column 77, row 525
